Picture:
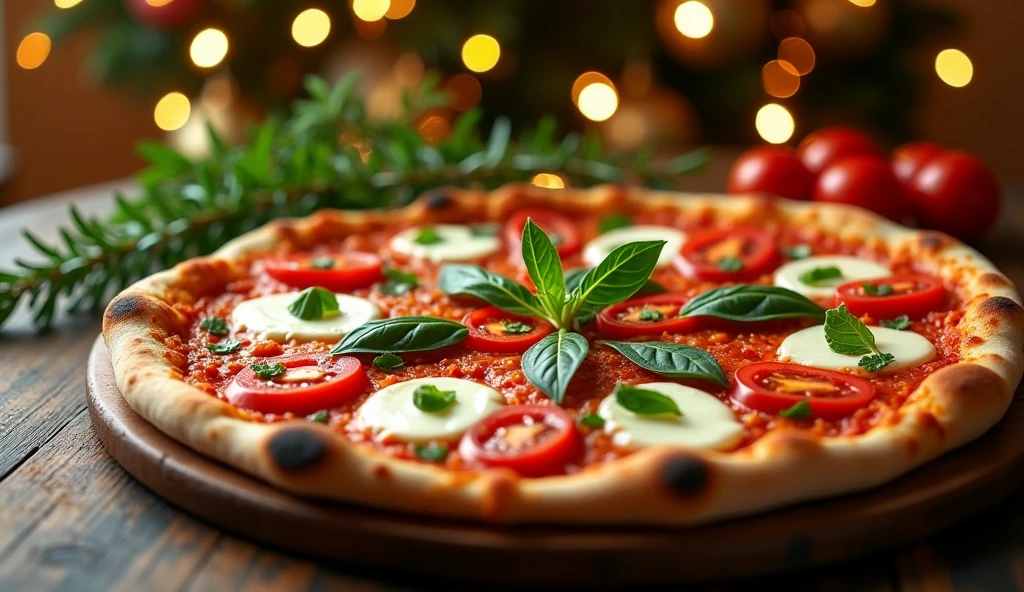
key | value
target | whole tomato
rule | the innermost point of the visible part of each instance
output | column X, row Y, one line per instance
column 866, row 181
column 908, row 158
column 770, row 169
column 829, row 144
column 956, row 193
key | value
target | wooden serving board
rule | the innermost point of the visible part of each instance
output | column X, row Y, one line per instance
column 933, row 497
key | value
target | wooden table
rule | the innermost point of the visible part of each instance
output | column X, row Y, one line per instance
column 71, row 519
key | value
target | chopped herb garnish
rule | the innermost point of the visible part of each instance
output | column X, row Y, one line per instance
column 318, row 417
column 846, row 334
column 876, row 362
column 388, row 362
column 800, row 410
column 645, row 402
column 268, row 371
column 430, row 399
column 613, row 222
column 481, row 230
column 820, row 274
column 515, row 327
column 899, row 323
column 314, row 304
column 801, row 251
column 592, row 420
column 730, row 264
column 399, row 282
column 215, row 326
column 428, row 236
column 879, row 290
column 224, row 347
column 650, row 314
column 431, row 452
column 322, row 263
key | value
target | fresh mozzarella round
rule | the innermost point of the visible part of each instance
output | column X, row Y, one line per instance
column 597, row 249
column 852, row 268
column 392, row 415
column 808, row 347
column 455, row 242
column 706, row 422
column 268, row 317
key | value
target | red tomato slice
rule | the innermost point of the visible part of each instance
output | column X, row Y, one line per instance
column 727, row 254
column 311, row 382
column 913, row 295
column 647, row 315
column 773, row 387
column 489, row 331
column 532, row 440
column 350, row 270
column 559, row 229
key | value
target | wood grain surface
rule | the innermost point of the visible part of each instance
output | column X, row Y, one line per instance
column 72, row 519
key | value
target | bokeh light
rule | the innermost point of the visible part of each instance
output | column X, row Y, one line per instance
column 480, row 53
column 400, row 9
column 694, row 19
column 465, row 90
column 780, row 79
column 66, row 3
column 158, row 3
column 172, row 111
column 864, row 3
column 548, row 181
column 311, row 27
column 774, row 123
column 586, row 79
column 208, row 48
column 598, row 101
column 798, row 53
column 370, row 10
column 32, row 50
column 954, row 67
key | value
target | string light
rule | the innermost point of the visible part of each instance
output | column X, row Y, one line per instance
column 954, row 67
column 480, row 53
column 400, row 9
column 598, row 101
column 172, row 111
column 548, row 181
column 694, row 19
column 66, row 3
column 774, row 123
column 586, row 79
column 798, row 53
column 370, row 10
column 32, row 50
column 864, row 3
column 208, row 48
column 311, row 27
column 780, row 79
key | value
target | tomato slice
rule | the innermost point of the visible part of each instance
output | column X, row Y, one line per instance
column 337, row 271
column 914, row 295
column 532, row 440
column 647, row 315
column 773, row 387
column 311, row 382
column 494, row 330
column 560, row 230
column 727, row 254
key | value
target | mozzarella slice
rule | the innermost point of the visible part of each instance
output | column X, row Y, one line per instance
column 706, row 422
column 597, row 249
column 391, row 414
column 268, row 317
column 852, row 268
column 457, row 243
column 808, row 347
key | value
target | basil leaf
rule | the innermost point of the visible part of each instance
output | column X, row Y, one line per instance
column 268, row 371
column 592, row 420
column 730, row 264
column 490, row 287
column 545, row 269
column 801, row 251
column 388, row 362
column 399, row 282
column 650, row 314
column 799, row 410
column 845, row 334
column 817, row 275
column 401, row 334
column 515, row 327
column 215, row 326
column 751, row 303
column 224, row 347
column 431, row 452
column 484, row 229
column 430, row 399
column 622, row 273
column 879, row 290
column 673, row 360
column 876, row 362
column 428, row 236
column 644, row 402
column 613, row 222
column 314, row 304
column 900, row 323
column 550, row 363
column 574, row 276
column 318, row 417
column 322, row 263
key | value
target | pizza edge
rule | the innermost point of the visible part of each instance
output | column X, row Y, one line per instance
column 658, row 485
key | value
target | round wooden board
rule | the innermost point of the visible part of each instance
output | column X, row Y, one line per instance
column 938, row 495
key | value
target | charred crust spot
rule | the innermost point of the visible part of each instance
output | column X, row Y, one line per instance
column 438, row 201
column 685, row 475
column 993, row 280
column 932, row 241
column 1000, row 306
column 381, row 471
column 125, row 307
column 296, row 448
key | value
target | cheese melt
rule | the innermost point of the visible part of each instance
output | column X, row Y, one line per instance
column 458, row 243
column 808, row 347
column 852, row 268
column 268, row 318
column 599, row 248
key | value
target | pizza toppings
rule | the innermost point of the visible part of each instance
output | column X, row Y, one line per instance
column 751, row 303
column 817, row 277
column 430, row 399
column 279, row 317
column 388, row 362
column 314, row 304
column 306, row 384
column 899, row 323
column 598, row 249
column 800, row 392
column 846, row 334
column 443, row 242
column 532, row 440
column 224, row 347
column 392, row 413
column 913, row 295
column 398, row 282
column 215, row 326
column 559, row 229
column 338, row 272
column 494, row 330
column 727, row 254
column 648, row 315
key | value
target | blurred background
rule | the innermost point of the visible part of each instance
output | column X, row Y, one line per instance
column 84, row 80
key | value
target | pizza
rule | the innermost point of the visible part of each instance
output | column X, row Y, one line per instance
column 602, row 356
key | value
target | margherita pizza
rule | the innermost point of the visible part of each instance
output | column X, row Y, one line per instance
column 574, row 356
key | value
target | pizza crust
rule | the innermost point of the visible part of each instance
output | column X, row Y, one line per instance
column 655, row 486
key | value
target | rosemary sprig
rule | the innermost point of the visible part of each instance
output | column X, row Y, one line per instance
column 327, row 153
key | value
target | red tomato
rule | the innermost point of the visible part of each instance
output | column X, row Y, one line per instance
column 348, row 271
column 532, row 440
column 489, row 331
column 865, row 181
column 829, row 144
column 647, row 315
column 770, row 169
column 310, row 383
column 559, row 229
column 773, row 387
column 956, row 193
column 727, row 254
column 912, row 295
column 909, row 158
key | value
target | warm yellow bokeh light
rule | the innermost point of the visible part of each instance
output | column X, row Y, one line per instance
column 208, row 48
column 370, row 10
column 32, row 50
column 694, row 19
column 954, row 67
column 598, row 101
column 400, row 9
column 548, row 181
column 480, row 53
column 780, row 79
column 863, row 2
column 799, row 53
column 172, row 111
column 158, row 3
column 586, row 79
column 311, row 27
column 66, row 3
column 774, row 123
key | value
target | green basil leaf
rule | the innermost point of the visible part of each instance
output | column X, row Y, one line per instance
column 484, row 229
column 402, row 334
column 574, row 276
column 215, row 326
column 322, row 263
column 430, row 399
column 876, row 362
column 314, row 304
column 551, row 363
column 730, row 264
column 515, row 327
column 545, row 269
column 428, row 236
column 224, row 347
column 495, row 289
column 799, row 410
column 388, row 362
column 613, row 222
column 268, row 371
column 622, row 273
column 592, row 420
column 673, row 360
column 879, row 290
column 645, row 402
column 431, row 452
column 650, row 314
column 801, row 251
column 845, row 334
column 816, row 275
column 399, row 282
column 752, row 303
column 318, row 417
column 900, row 323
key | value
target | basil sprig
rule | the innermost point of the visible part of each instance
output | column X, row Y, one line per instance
column 401, row 335
column 752, row 303
column 224, row 347
column 399, row 282
column 215, row 326
column 645, row 402
column 815, row 276
column 673, row 360
column 799, row 410
column 268, row 371
column 388, row 362
column 545, row 269
column 430, row 399
column 470, row 280
column 900, row 323
column 846, row 335
column 314, row 304
column 551, row 363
